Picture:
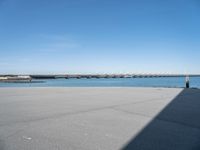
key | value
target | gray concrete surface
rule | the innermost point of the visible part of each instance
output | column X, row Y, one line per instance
column 99, row 119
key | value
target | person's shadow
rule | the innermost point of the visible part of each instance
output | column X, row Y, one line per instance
column 176, row 127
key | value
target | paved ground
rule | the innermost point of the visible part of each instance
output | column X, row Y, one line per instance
column 99, row 119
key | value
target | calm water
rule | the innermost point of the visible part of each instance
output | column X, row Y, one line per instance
column 121, row 82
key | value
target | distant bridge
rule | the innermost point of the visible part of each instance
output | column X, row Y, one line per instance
column 89, row 76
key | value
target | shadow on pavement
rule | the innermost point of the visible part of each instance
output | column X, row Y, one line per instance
column 176, row 127
column 1, row 145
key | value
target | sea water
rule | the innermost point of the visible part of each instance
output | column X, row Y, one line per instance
column 110, row 82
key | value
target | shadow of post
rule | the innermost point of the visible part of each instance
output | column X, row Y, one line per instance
column 176, row 127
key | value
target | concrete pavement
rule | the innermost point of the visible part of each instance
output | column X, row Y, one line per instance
column 99, row 119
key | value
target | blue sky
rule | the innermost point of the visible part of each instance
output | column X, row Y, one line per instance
column 99, row 36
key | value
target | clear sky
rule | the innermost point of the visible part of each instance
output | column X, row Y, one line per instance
column 99, row 36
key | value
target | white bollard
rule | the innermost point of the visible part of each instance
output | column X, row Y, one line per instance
column 187, row 82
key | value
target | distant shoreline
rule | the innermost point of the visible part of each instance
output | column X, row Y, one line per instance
column 97, row 76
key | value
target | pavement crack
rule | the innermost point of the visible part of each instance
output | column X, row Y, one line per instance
column 60, row 115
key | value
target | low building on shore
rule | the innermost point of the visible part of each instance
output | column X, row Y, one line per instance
column 15, row 78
